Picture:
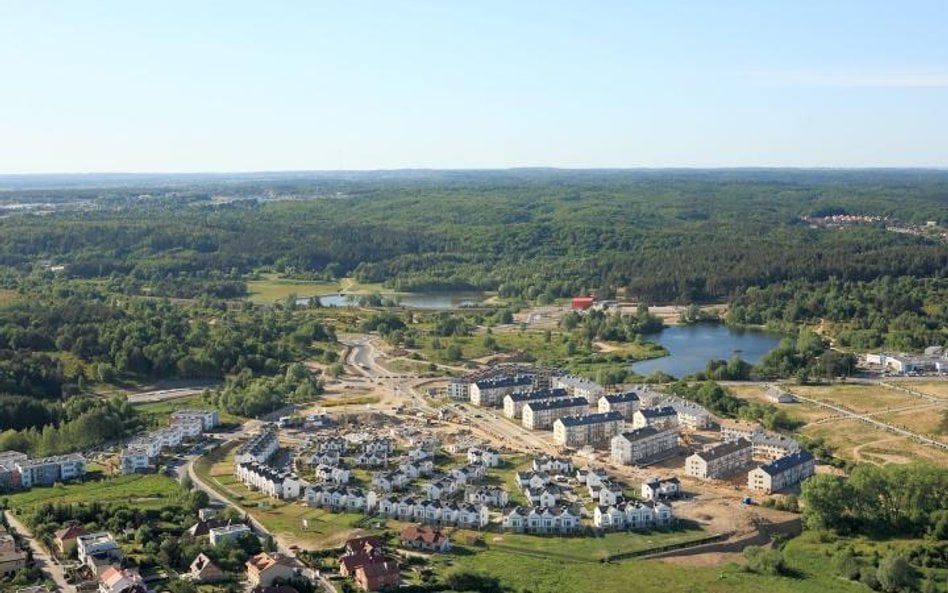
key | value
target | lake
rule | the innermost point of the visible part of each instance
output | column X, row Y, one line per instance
column 690, row 347
column 415, row 300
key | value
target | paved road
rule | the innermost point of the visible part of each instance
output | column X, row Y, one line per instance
column 41, row 559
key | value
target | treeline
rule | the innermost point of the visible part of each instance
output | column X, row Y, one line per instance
column 612, row 327
column 661, row 237
column 246, row 395
column 888, row 500
column 55, row 344
column 899, row 313
column 76, row 424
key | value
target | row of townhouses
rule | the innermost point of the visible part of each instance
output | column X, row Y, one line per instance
column 270, row 481
column 632, row 515
column 332, row 474
column 542, row 520
column 434, row 512
column 552, row 465
column 260, row 448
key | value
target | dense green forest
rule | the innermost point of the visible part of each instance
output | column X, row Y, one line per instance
column 124, row 279
column 676, row 236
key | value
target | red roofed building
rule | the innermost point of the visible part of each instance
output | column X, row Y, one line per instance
column 66, row 539
column 583, row 303
column 424, row 538
column 366, row 563
column 119, row 580
column 377, row 575
column 265, row 568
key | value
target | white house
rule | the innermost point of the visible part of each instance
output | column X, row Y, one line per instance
column 134, row 460
column 227, row 533
column 561, row 520
column 661, row 488
column 486, row 456
column 552, row 465
column 490, row 496
column 632, row 515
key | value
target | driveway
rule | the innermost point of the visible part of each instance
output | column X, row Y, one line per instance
column 40, row 558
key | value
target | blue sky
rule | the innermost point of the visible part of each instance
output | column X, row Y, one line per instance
column 282, row 85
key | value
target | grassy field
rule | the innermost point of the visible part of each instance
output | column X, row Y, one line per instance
column 159, row 411
column 274, row 288
column 543, row 568
column 140, row 491
column 8, row 296
column 936, row 388
column 857, row 397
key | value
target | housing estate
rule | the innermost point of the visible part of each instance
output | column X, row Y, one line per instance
column 595, row 430
column 781, row 473
column 540, row 414
column 720, row 460
column 626, row 403
column 642, row 445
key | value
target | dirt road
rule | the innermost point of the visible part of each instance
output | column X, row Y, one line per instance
column 41, row 558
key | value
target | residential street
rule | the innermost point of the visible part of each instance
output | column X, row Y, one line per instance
column 40, row 557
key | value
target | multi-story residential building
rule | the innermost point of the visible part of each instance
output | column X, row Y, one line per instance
column 514, row 402
column 541, row 414
column 562, row 520
column 659, row 417
column 491, row 392
column 595, row 430
column 227, row 533
column 209, row 418
column 168, row 438
column 134, row 460
column 9, row 475
column 552, row 465
column 690, row 414
column 739, row 429
column 459, row 389
column 644, row 445
column 49, row 470
column 581, row 387
column 768, row 446
column 784, row 472
column 486, row 456
column 259, row 448
column 721, row 460
column 146, row 443
column 625, row 403
column 661, row 488
column 96, row 544
column 632, row 515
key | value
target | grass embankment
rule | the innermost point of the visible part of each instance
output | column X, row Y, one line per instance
column 158, row 412
column 272, row 287
column 149, row 491
column 551, row 565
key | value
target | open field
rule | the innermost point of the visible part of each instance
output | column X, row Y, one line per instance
column 858, row 397
column 273, row 288
column 140, row 491
column 936, row 388
column 159, row 411
column 854, row 440
column 545, row 570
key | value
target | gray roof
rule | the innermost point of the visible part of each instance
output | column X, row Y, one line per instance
column 787, row 462
column 724, row 449
column 590, row 419
column 619, row 398
column 522, row 396
column 555, row 404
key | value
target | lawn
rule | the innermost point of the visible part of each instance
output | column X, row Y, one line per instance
column 936, row 388
column 146, row 491
column 274, row 288
column 858, row 441
column 159, row 411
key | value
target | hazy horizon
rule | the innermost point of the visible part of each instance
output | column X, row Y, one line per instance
column 188, row 87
